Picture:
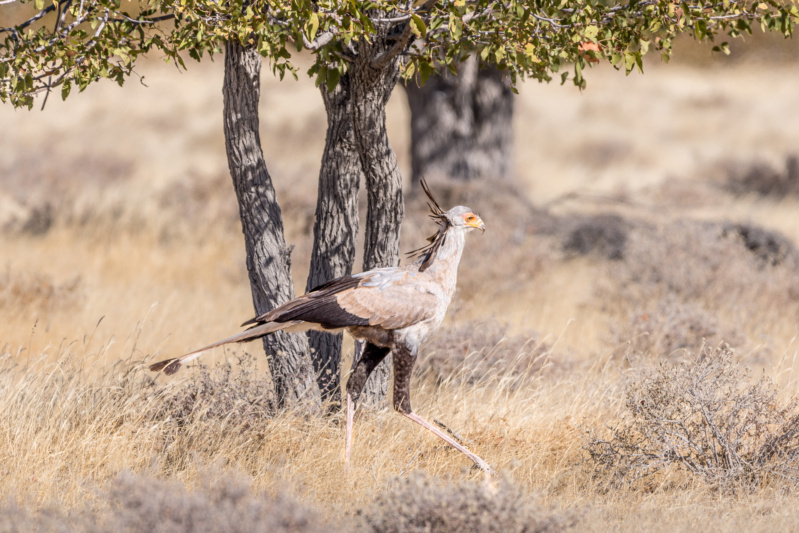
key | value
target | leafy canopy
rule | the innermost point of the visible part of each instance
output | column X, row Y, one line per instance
column 66, row 43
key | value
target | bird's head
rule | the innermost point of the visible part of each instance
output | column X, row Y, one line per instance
column 464, row 217
column 459, row 218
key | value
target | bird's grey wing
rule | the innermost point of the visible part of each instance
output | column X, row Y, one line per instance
column 391, row 298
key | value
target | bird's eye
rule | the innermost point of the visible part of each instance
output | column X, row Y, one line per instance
column 469, row 218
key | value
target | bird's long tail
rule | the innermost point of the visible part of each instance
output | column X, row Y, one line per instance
column 170, row 366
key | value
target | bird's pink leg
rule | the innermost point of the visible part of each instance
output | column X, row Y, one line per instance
column 367, row 357
column 449, row 440
column 350, row 419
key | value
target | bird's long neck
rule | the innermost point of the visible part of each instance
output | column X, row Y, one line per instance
column 448, row 256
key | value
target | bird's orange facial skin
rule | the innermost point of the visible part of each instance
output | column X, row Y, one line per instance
column 474, row 221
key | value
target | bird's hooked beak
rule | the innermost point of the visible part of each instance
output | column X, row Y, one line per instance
column 477, row 223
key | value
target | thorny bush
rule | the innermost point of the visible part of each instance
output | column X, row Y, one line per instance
column 703, row 416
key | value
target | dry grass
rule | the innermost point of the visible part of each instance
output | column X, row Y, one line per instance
column 120, row 245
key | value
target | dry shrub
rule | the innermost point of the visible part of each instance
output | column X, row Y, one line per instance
column 140, row 504
column 703, row 416
column 17, row 519
column 424, row 505
column 764, row 180
column 671, row 326
column 469, row 352
column 770, row 247
column 701, row 264
column 605, row 235
column 233, row 393
column 32, row 289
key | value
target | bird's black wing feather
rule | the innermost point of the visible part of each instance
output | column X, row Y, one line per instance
column 319, row 306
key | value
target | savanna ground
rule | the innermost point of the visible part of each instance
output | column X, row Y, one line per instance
column 653, row 217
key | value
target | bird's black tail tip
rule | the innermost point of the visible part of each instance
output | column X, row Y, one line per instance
column 169, row 366
column 173, row 367
column 156, row 367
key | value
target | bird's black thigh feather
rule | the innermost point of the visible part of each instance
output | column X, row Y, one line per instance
column 404, row 359
column 370, row 358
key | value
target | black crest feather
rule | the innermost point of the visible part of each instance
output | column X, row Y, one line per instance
column 435, row 241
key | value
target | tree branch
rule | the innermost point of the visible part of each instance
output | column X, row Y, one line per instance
column 321, row 40
column 381, row 60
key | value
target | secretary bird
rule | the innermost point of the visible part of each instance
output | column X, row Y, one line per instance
column 392, row 310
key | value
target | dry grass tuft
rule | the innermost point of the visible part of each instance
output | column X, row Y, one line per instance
column 419, row 504
column 703, row 416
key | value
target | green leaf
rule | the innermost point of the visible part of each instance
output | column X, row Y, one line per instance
column 701, row 29
column 425, row 71
column 65, row 89
column 455, row 26
column 591, row 32
column 629, row 61
column 332, row 79
column 418, row 27
column 313, row 26
column 38, row 4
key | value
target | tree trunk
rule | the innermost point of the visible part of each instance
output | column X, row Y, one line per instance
column 268, row 258
column 462, row 126
column 371, row 89
column 336, row 226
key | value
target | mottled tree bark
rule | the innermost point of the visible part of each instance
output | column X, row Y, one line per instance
column 371, row 88
column 335, row 227
column 268, row 258
column 462, row 126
